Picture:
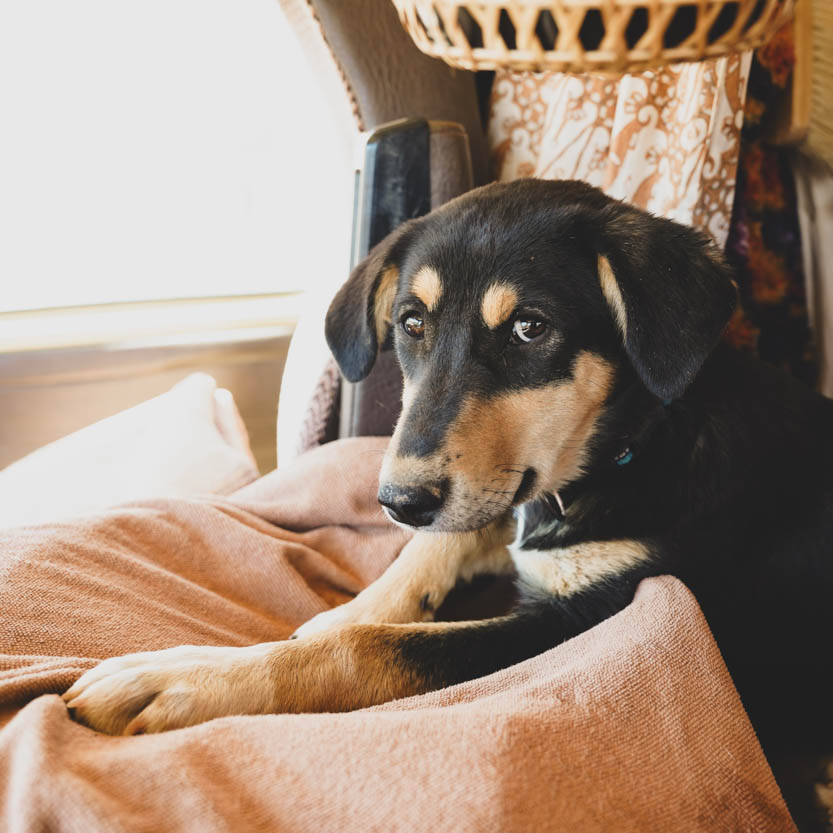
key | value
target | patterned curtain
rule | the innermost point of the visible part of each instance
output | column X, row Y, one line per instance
column 665, row 140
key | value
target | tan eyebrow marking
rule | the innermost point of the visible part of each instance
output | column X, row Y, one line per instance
column 428, row 287
column 499, row 302
column 383, row 301
column 613, row 295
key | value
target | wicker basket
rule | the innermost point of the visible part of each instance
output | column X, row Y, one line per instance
column 588, row 35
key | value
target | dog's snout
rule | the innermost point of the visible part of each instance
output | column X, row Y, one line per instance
column 412, row 505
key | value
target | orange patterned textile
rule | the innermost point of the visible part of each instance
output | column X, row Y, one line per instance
column 665, row 140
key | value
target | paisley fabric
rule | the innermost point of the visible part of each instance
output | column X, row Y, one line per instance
column 665, row 140
column 764, row 243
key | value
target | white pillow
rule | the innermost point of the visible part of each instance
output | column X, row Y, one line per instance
column 188, row 441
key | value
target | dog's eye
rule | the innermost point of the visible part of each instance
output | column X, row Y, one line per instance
column 525, row 330
column 413, row 325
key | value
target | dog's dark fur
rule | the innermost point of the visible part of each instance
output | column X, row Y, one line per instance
column 729, row 482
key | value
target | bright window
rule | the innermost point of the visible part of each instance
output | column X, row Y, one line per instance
column 154, row 149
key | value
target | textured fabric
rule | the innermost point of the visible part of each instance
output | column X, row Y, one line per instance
column 188, row 441
column 632, row 726
column 665, row 140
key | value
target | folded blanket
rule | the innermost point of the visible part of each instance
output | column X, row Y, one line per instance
column 632, row 726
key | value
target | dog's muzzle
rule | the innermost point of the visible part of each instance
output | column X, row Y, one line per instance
column 413, row 505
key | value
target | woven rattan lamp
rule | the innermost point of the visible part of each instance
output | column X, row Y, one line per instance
column 588, row 35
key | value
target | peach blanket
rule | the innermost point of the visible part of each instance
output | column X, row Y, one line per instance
column 633, row 726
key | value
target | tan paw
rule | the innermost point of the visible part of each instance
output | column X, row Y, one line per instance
column 368, row 608
column 161, row 690
column 325, row 621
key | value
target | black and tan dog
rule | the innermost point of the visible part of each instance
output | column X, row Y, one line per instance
column 560, row 362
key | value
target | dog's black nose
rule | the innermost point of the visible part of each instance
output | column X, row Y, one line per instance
column 412, row 505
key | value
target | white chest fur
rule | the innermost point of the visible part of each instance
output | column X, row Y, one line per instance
column 568, row 570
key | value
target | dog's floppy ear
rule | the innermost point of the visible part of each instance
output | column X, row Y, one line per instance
column 670, row 292
column 358, row 319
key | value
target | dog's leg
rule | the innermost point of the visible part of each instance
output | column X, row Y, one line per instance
column 347, row 668
column 357, row 665
column 423, row 574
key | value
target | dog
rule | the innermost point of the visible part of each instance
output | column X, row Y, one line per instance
column 571, row 417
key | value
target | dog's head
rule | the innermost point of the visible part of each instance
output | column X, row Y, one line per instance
column 516, row 309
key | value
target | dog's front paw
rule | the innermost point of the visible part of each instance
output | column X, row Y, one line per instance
column 345, row 614
column 160, row 690
column 371, row 607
